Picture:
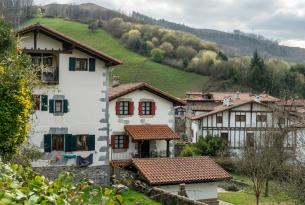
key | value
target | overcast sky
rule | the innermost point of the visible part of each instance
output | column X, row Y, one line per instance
column 282, row 20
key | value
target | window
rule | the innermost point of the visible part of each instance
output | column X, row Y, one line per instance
column 81, row 64
column 58, row 106
column 225, row 136
column 81, row 142
column 119, row 141
column 218, row 119
column 250, row 140
column 146, row 108
column 48, row 61
column 240, row 118
column 58, row 142
column 261, row 118
column 124, row 108
column 36, row 100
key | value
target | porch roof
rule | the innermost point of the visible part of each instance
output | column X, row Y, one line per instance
column 150, row 132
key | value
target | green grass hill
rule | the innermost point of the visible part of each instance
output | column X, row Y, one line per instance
column 135, row 68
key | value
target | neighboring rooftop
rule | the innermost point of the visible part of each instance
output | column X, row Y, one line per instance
column 219, row 96
column 150, row 132
column 123, row 89
column 162, row 171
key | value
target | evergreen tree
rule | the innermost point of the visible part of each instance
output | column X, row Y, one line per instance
column 257, row 73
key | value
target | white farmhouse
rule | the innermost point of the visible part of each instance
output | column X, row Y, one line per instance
column 142, row 120
column 70, row 123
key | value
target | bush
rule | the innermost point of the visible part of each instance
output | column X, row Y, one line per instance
column 229, row 186
column 227, row 163
column 157, row 54
column 189, row 151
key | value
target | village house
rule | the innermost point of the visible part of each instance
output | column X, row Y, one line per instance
column 142, row 121
column 70, row 118
column 194, row 177
column 242, row 119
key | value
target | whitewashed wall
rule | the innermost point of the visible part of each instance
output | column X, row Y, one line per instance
column 43, row 42
column 86, row 93
column 164, row 115
column 197, row 191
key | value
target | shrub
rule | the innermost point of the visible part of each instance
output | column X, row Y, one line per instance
column 157, row 54
column 189, row 151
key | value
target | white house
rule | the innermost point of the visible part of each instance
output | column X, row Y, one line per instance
column 243, row 122
column 70, row 122
column 199, row 174
column 142, row 121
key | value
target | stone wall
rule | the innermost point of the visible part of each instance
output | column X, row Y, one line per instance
column 98, row 174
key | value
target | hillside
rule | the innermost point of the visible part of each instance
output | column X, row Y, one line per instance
column 135, row 68
column 236, row 43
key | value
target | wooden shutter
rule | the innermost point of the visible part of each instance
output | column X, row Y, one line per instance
column 72, row 64
column 51, row 106
column 65, row 106
column 91, row 64
column 117, row 108
column 44, row 103
column 68, row 138
column 47, row 139
column 91, row 142
column 73, row 143
column 140, row 108
column 153, row 108
column 113, row 141
column 130, row 108
column 126, row 141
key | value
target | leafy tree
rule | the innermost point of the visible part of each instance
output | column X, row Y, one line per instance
column 157, row 54
column 116, row 26
column 183, row 52
column 17, row 79
column 168, row 48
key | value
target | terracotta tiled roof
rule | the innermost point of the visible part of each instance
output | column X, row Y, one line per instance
column 150, row 132
column 62, row 37
column 293, row 102
column 219, row 96
column 161, row 171
column 121, row 163
column 123, row 89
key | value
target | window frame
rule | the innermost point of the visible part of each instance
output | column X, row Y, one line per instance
column 119, row 141
column 78, row 148
column 124, row 108
column 37, row 102
column 146, row 108
column 262, row 118
column 78, row 62
column 53, row 138
column 61, row 107
column 240, row 118
column 219, row 119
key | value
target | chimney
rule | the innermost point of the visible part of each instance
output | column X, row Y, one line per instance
column 257, row 98
column 115, row 81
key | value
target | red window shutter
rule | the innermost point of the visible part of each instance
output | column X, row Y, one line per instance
column 153, row 108
column 117, row 108
column 131, row 108
column 126, row 141
column 113, row 141
column 140, row 108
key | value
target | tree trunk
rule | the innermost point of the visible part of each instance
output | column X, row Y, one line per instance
column 257, row 199
column 267, row 188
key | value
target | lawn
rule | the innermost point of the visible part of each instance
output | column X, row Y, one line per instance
column 277, row 194
column 131, row 197
column 135, row 68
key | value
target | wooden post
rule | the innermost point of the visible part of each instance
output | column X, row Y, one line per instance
column 167, row 148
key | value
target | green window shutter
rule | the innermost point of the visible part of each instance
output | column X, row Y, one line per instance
column 65, row 106
column 91, row 64
column 51, row 106
column 44, row 103
column 47, row 139
column 91, row 142
column 72, row 63
column 68, row 138
column 73, row 143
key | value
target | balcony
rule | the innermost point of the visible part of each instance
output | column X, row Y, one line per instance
column 132, row 155
column 46, row 66
column 48, row 75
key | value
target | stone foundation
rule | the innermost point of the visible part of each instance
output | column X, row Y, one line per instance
column 98, row 174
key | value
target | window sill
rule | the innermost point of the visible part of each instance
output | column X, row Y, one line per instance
column 124, row 116
column 119, row 150
column 147, row 116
